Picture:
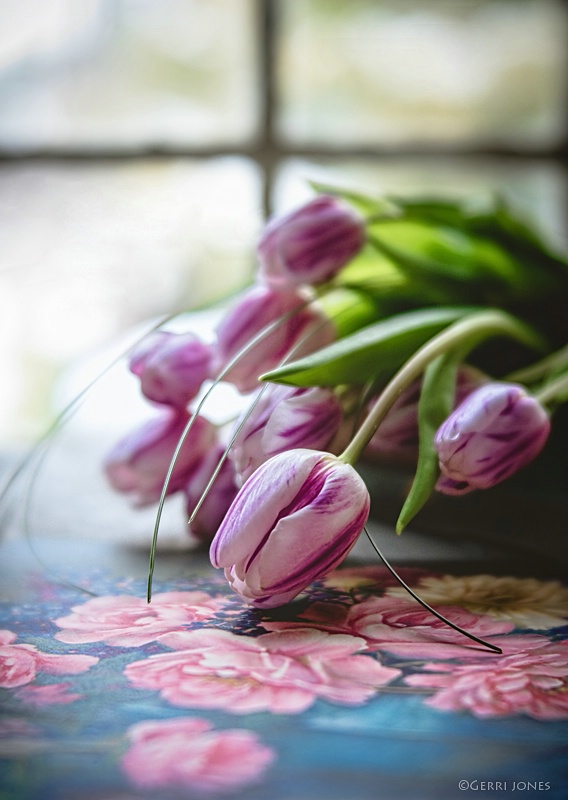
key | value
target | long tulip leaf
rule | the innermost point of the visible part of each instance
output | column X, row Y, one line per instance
column 371, row 353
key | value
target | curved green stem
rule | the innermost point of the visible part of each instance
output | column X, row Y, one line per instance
column 553, row 390
column 473, row 327
column 540, row 369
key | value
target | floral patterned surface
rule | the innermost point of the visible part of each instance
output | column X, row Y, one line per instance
column 353, row 692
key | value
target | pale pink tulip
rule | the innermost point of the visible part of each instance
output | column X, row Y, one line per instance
column 312, row 244
column 293, row 521
column 285, row 418
column 494, row 432
column 139, row 463
column 303, row 327
column 218, row 499
column 172, row 367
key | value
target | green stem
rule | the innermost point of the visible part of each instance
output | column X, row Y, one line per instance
column 551, row 391
column 541, row 368
column 483, row 323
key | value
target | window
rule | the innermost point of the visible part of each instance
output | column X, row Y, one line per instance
column 142, row 143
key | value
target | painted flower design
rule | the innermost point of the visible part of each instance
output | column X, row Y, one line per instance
column 282, row 672
column 188, row 752
column 527, row 602
column 21, row 663
column 49, row 695
column 406, row 629
column 533, row 683
column 127, row 621
column 369, row 577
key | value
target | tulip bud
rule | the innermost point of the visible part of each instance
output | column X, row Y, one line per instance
column 285, row 418
column 259, row 307
column 310, row 245
column 172, row 367
column 494, row 432
column 218, row 499
column 139, row 463
column 397, row 436
column 293, row 521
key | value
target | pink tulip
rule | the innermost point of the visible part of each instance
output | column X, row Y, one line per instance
column 293, row 521
column 172, row 367
column 310, row 245
column 306, row 326
column 286, row 418
column 218, row 499
column 139, row 463
column 494, row 432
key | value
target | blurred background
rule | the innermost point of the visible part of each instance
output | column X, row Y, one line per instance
column 142, row 145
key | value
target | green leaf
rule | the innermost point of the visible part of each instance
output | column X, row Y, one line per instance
column 487, row 218
column 436, row 403
column 372, row 352
column 365, row 204
column 452, row 254
column 349, row 309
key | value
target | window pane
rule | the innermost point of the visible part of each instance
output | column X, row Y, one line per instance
column 89, row 73
column 408, row 71
column 536, row 190
column 90, row 251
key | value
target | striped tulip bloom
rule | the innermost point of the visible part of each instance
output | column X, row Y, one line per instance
column 172, row 367
column 310, row 245
column 285, row 418
column 303, row 326
column 495, row 431
column 139, row 463
column 219, row 497
column 293, row 521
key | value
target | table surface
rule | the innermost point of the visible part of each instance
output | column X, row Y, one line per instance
column 352, row 692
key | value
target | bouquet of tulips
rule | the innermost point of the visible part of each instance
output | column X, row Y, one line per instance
column 432, row 330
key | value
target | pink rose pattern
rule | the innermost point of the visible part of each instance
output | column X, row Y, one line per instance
column 347, row 643
column 21, row 663
column 282, row 672
column 127, row 621
column 186, row 751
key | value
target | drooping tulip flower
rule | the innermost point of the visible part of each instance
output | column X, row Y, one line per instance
column 293, row 521
column 172, row 367
column 310, row 245
column 286, row 418
column 397, row 436
column 495, row 431
column 139, row 463
column 218, row 499
column 305, row 326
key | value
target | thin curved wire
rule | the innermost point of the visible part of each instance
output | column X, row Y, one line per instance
column 266, row 331
column 39, row 451
column 28, row 533
column 423, row 603
column 251, row 408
